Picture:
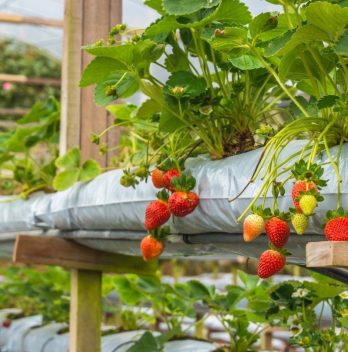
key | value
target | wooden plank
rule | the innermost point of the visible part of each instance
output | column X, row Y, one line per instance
column 326, row 254
column 12, row 111
column 85, row 311
column 66, row 253
column 5, row 77
column 18, row 19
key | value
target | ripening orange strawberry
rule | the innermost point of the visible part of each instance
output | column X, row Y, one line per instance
column 157, row 178
column 253, row 226
column 151, row 248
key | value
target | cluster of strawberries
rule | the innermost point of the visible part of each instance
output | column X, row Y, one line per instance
column 305, row 195
column 176, row 198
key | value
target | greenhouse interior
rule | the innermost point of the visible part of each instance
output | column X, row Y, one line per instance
column 173, row 176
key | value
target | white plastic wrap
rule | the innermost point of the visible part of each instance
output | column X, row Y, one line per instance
column 103, row 204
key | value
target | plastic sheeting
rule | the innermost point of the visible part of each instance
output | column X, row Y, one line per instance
column 103, row 204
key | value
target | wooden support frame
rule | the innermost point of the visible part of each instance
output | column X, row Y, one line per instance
column 36, row 21
column 87, row 266
column 85, row 22
column 327, row 254
column 41, row 81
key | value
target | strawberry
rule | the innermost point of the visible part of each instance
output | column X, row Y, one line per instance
column 271, row 261
column 167, row 177
column 336, row 229
column 278, row 231
column 253, row 226
column 301, row 186
column 156, row 214
column 183, row 203
column 299, row 222
column 6, row 323
column 157, row 178
column 308, row 203
column 151, row 248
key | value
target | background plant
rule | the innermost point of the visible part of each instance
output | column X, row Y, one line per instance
column 23, row 59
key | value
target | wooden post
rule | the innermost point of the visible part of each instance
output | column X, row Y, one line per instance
column 85, row 311
column 85, row 22
column 87, row 266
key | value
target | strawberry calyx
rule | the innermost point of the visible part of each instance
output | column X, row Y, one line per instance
column 334, row 214
column 163, row 195
column 265, row 213
column 313, row 173
column 312, row 192
column 160, row 233
column 282, row 251
column 183, row 183
column 286, row 216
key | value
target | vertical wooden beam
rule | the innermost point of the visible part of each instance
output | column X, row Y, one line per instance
column 85, row 311
column 86, row 21
column 71, row 71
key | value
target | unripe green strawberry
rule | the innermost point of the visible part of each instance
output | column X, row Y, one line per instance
column 308, row 203
column 298, row 187
column 299, row 222
column 253, row 226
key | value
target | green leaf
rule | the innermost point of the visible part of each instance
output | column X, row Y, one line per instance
column 341, row 47
column 146, row 343
column 125, row 85
column 183, row 7
column 122, row 53
column 42, row 111
column 277, row 44
column 327, row 102
column 99, row 69
column 156, row 5
column 233, row 12
column 330, row 18
column 197, row 290
column 66, row 179
column 262, row 23
column 232, row 38
column 246, row 62
column 305, row 35
column 177, row 61
column 122, row 111
column 162, row 26
column 90, row 170
column 152, row 91
column 193, row 85
column 148, row 109
column 69, row 160
column 169, row 122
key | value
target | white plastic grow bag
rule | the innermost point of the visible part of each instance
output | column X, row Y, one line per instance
column 103, row 204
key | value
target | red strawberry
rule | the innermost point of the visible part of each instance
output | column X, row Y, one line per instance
column 151, row 248
column 6, row 323
column 168, row 176
column 157, row 178
column 336, row 229
column 183, row 203
column 278, row 231
column 270, row 262
column 301, row 186
column 156, row 214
